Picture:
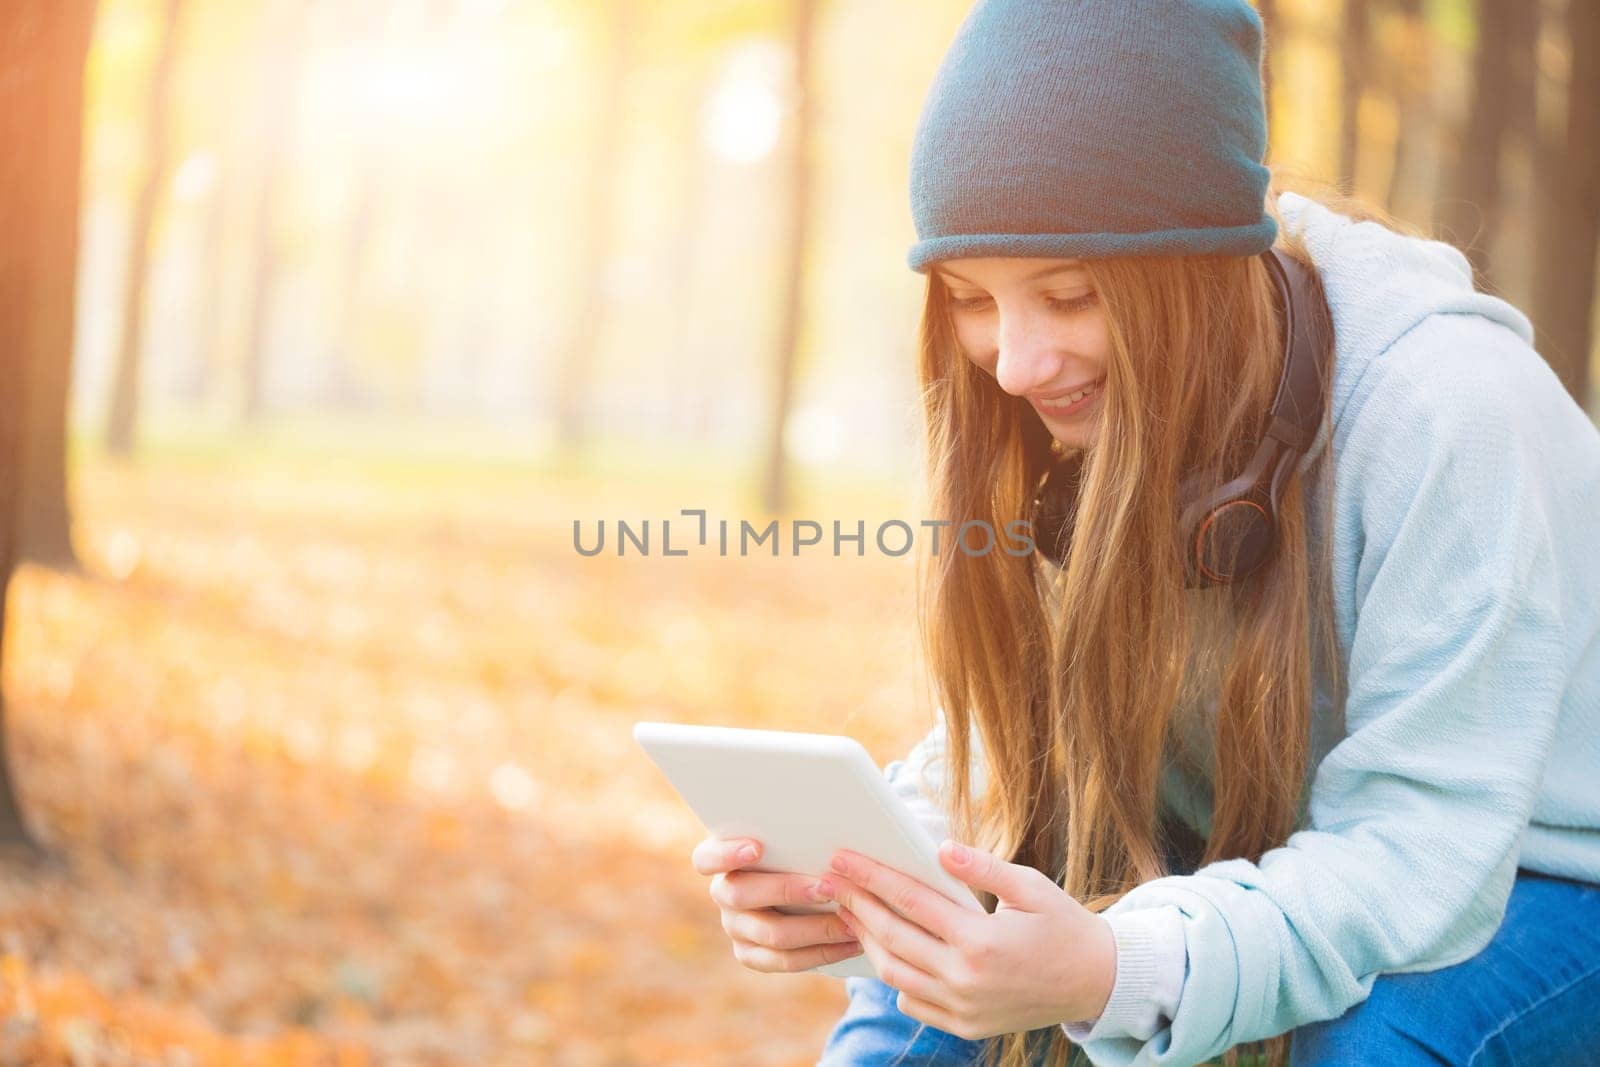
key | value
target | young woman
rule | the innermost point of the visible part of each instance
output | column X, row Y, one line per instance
column 1318, row 769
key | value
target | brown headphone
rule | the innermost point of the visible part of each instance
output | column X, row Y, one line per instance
column 1228, row 532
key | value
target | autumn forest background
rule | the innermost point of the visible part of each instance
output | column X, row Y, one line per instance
column 322, row 321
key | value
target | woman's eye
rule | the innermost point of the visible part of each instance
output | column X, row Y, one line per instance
column 1076, row 303
column 977, row 303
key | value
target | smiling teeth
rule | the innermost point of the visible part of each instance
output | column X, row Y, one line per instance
column 1074, row 397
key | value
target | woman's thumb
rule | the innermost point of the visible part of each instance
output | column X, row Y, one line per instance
column 988, row 872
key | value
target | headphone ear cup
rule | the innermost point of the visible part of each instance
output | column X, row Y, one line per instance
column 1233, row 541
column 1224, row 538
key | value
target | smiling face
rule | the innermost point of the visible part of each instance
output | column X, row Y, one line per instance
column 1037, row 327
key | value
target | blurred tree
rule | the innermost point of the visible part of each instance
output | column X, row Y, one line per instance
column 1470, row 208
column 690, row 391
column 1409, row 65
column 696, row 39
column 202, row 372
column 281, row 57
column 792, row 312
column 583, row 329
column 45, row 535
column 344, row 378
column 362, row 23
column 42, row 52
column 1353, row 52
column 219, row 146
column 124, row 414
column 1568, row 215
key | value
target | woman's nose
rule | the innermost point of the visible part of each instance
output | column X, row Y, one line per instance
column 1025, row 362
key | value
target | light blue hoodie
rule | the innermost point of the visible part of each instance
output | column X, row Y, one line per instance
column 1466, row 582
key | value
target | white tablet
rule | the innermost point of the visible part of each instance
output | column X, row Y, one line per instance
column 803, row 796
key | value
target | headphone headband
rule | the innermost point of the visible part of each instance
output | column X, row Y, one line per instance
column 1297, row 408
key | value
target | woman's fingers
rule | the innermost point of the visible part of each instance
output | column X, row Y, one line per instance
column 787, row 961
column 897, row 973
column 773, row 929
column 715, row 855
column 764, row 889
column 929, row 1012
column 915, row 900
column 898, row 936
column 764, row 939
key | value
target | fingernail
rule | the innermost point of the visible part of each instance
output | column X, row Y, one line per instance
column 840, row 865
column 820, row 890
column 854, row 947
column 958, row 853
column 848, row 920
column 747, row 854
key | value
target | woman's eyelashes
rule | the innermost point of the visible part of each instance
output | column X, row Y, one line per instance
column 1066, row 304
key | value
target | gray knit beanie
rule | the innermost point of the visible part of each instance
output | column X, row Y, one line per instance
column 1081, row 128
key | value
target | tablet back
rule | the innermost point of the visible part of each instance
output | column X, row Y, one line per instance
column 802, row 796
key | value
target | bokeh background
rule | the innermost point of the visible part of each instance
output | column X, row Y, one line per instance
column 323, row 321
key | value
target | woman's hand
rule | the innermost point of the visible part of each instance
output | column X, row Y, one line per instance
column 763, row 939
column 1040, row 959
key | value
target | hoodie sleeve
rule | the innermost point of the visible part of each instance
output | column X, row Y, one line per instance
column 1151, row 963
column 918, row 779
column 1456, row 670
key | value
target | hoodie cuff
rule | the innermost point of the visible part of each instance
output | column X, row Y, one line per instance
column 1151, row 960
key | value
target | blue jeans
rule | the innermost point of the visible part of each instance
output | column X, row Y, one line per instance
column 1531, row 997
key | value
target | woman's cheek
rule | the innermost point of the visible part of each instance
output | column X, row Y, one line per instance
column 1099, row 341
column 976, row 348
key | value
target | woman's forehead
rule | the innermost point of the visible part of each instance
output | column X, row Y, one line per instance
column 979, row 270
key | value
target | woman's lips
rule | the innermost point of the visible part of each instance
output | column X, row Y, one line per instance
column 1062, row 410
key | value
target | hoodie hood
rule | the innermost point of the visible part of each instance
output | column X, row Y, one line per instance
column 1379, row 284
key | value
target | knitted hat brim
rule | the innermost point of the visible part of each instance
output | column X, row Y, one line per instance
column 1223, row 241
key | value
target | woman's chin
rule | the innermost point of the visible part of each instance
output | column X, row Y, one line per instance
column 1071, row 435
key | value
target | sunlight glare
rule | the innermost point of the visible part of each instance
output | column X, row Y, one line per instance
column 195, row 177
column 744, row 114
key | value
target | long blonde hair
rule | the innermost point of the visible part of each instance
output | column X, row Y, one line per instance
column 1073, row 689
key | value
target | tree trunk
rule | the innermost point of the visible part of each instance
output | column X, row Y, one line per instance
column 124, row 413
column 1353, row 82
column 792, row 314
column 585, row 329
column 42, row 48
column 1469, row 210
column 1411, row 71
column 279, row 88
column 45, row 536
column 213, row 288
column 687, row 382
column 344, row 379
column 1569, row 215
